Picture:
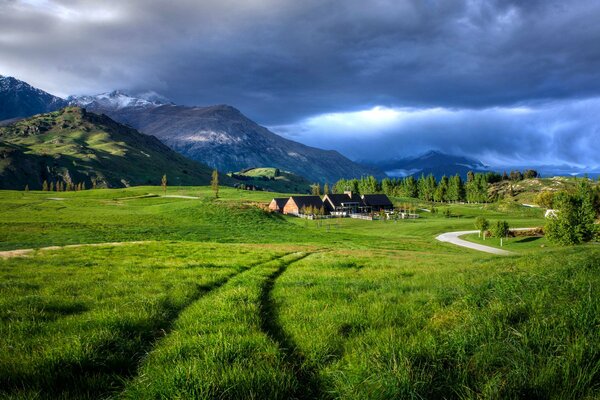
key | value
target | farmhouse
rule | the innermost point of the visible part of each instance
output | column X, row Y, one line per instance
column 278, row 203
column 376, row 202
column 342, row 204
column 296, row 204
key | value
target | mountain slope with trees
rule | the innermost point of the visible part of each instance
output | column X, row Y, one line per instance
column 222, row 137
column 71, row 147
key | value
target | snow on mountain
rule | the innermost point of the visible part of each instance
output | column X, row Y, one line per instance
column 19, row 99
column 117, row 100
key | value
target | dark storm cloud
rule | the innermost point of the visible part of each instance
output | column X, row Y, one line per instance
column 283, row 61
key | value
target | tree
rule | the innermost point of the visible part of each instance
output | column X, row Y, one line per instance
column 482, row 225
column 500, row 230
column 408, row 187
column 214, row 183
column 45, row 186
column 51, row 188
column 163, row 183
column 315, row 189
column 440, row 194
column 530, row 173
column 368, row 185
column 456, row 190
column 545, row 199
column 516, row 175
column 326, row 189
column 27, row 188
column 574, row 222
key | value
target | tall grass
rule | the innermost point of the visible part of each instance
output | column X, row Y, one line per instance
column 382, row 328
column 219, row 348
column 76, row 322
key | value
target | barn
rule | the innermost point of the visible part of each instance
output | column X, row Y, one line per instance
column 376, row 202
column 296, row 204
column 278, row 203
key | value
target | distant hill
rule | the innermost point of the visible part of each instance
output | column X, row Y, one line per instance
column 18, row 99
column 222, row 137
column 431, row 162
column 272, row 179
column 72, row 145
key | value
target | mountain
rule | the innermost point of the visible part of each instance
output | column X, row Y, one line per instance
column 222, row 137
column 18, row 99
column 431, row 162
column 273, row 180
column 73, row 146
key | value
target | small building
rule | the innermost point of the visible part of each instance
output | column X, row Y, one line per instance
column 278, row 203
column 376, row 202
column 342, row 204
column 296, row 205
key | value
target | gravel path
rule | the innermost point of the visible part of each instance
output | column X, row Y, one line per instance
column 453, row 237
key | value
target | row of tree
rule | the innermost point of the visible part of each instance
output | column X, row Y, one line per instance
column 427, row 188
column 60, row 186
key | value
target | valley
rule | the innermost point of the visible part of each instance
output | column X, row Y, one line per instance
column 218, row 298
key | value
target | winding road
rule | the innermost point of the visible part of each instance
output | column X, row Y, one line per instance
column 454, row 238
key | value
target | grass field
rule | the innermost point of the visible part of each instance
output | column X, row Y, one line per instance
column 227, row 301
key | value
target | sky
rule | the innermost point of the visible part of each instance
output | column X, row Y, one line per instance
column 503, row 81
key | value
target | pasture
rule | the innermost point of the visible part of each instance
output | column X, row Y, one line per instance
column 224, row 300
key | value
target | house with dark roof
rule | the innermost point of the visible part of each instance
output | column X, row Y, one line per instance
column 342, row 204
column 298, row 204
column 278, row 203
column 376, row 202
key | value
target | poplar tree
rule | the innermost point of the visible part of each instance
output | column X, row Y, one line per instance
column 163, row 183
column 214, row 183
column 45, row 186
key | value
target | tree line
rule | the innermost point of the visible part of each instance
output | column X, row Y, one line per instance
column 427, row 188
column 60, row 186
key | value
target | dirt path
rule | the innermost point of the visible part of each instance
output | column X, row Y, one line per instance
column 28, row 252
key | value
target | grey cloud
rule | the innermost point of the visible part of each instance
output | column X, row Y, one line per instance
column 283, row 61
column 562, row 132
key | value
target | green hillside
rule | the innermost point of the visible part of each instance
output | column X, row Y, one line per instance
column 273, row 179
column 525, row 191
column 73, row 146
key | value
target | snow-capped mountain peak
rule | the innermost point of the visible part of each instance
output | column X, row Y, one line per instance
column 116, row 100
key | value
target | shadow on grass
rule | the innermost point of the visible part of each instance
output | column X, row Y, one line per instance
column 528, row 239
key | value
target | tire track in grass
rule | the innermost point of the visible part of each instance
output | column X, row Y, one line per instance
column 218, row 348
column 77, row 379
column 310, row 387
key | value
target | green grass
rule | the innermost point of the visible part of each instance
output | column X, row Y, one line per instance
column 76, row 322
column 229, row 301
column 515, row 244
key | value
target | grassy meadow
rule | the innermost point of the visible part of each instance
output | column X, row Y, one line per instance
column 224, row 300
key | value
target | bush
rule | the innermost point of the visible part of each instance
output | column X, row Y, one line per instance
column 574, row 223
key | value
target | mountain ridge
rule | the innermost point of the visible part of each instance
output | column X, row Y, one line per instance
column 431, row 162
column 73, row 145
column 18, row 99
column 224, row 138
